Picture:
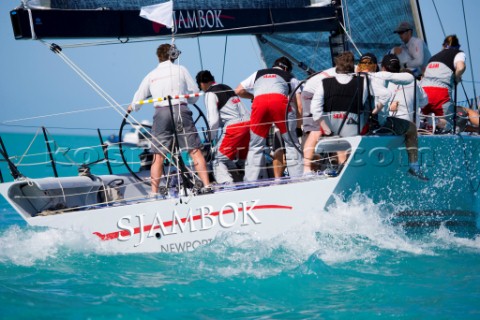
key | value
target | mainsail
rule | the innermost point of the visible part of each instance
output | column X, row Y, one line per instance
column 94, row 19
column 369, row 25
column 309, row 32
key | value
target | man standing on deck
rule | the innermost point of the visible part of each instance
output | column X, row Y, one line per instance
column 272, row 88
column 226, row 111
column 413, row 53
column 313, row 130
column 444, row 71
column 168, row 79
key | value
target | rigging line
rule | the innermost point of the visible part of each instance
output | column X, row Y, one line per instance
column 346, row 15
column 256, row 50
column 112, row 42
column 193, row 34
column 54, row 114
column 438, row 16
column 56, row 49
column 468, row 44
column 350, row 38
column 259, row 26
column 58, row 148
column 185, row 35
column 315, row 51
column 94, row 85
column 200, row 53
column 470, row 81
column 102, row 93
column 224, row 56
column 113, row 104
column 28, row 148
column 90, row 82
column 54, row 127
column 469, row 53
column 179, row 96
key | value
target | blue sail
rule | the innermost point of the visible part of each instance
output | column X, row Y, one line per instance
column 369, row 23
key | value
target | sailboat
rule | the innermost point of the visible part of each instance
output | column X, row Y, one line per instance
column 116, row 209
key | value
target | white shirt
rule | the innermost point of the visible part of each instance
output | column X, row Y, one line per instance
column 401, row 85
column 415, row 54
column 232, row 110
column 249, row 83
column 314, row 82
column 167, row 79
column 405, row 95
column 459, row 57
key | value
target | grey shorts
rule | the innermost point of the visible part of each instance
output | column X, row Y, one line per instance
column 162, row 130
column 308, row 123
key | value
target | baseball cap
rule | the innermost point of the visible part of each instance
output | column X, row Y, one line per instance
column 391, row 63
column 368, row 57
column 403, row 26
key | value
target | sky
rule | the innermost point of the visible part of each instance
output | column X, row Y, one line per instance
column 38, row 89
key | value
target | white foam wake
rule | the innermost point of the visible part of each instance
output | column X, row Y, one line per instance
column 357, row 230
column 26, row 247
column 354, row 231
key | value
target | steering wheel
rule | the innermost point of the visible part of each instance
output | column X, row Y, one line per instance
column 200, row 121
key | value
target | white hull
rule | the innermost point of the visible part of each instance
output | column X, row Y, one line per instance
column 266, row 211
column 377, row 167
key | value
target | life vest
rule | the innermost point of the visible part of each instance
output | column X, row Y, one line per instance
column 340, row 97
column 440, row 70
column 272, row 80
column 223, row 92
column 446, row 57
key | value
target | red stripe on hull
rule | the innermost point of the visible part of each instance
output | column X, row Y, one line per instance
column 125, row 233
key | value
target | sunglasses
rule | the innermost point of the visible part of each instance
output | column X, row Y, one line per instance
column 402, row 32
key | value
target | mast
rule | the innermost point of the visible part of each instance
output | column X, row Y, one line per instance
column 417, row 20
column 337, row 40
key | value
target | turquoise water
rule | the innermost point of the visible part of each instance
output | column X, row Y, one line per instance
column 351, row 262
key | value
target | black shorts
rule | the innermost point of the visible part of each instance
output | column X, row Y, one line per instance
column 163, row 134
column 278, row 142
column 396, row 126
